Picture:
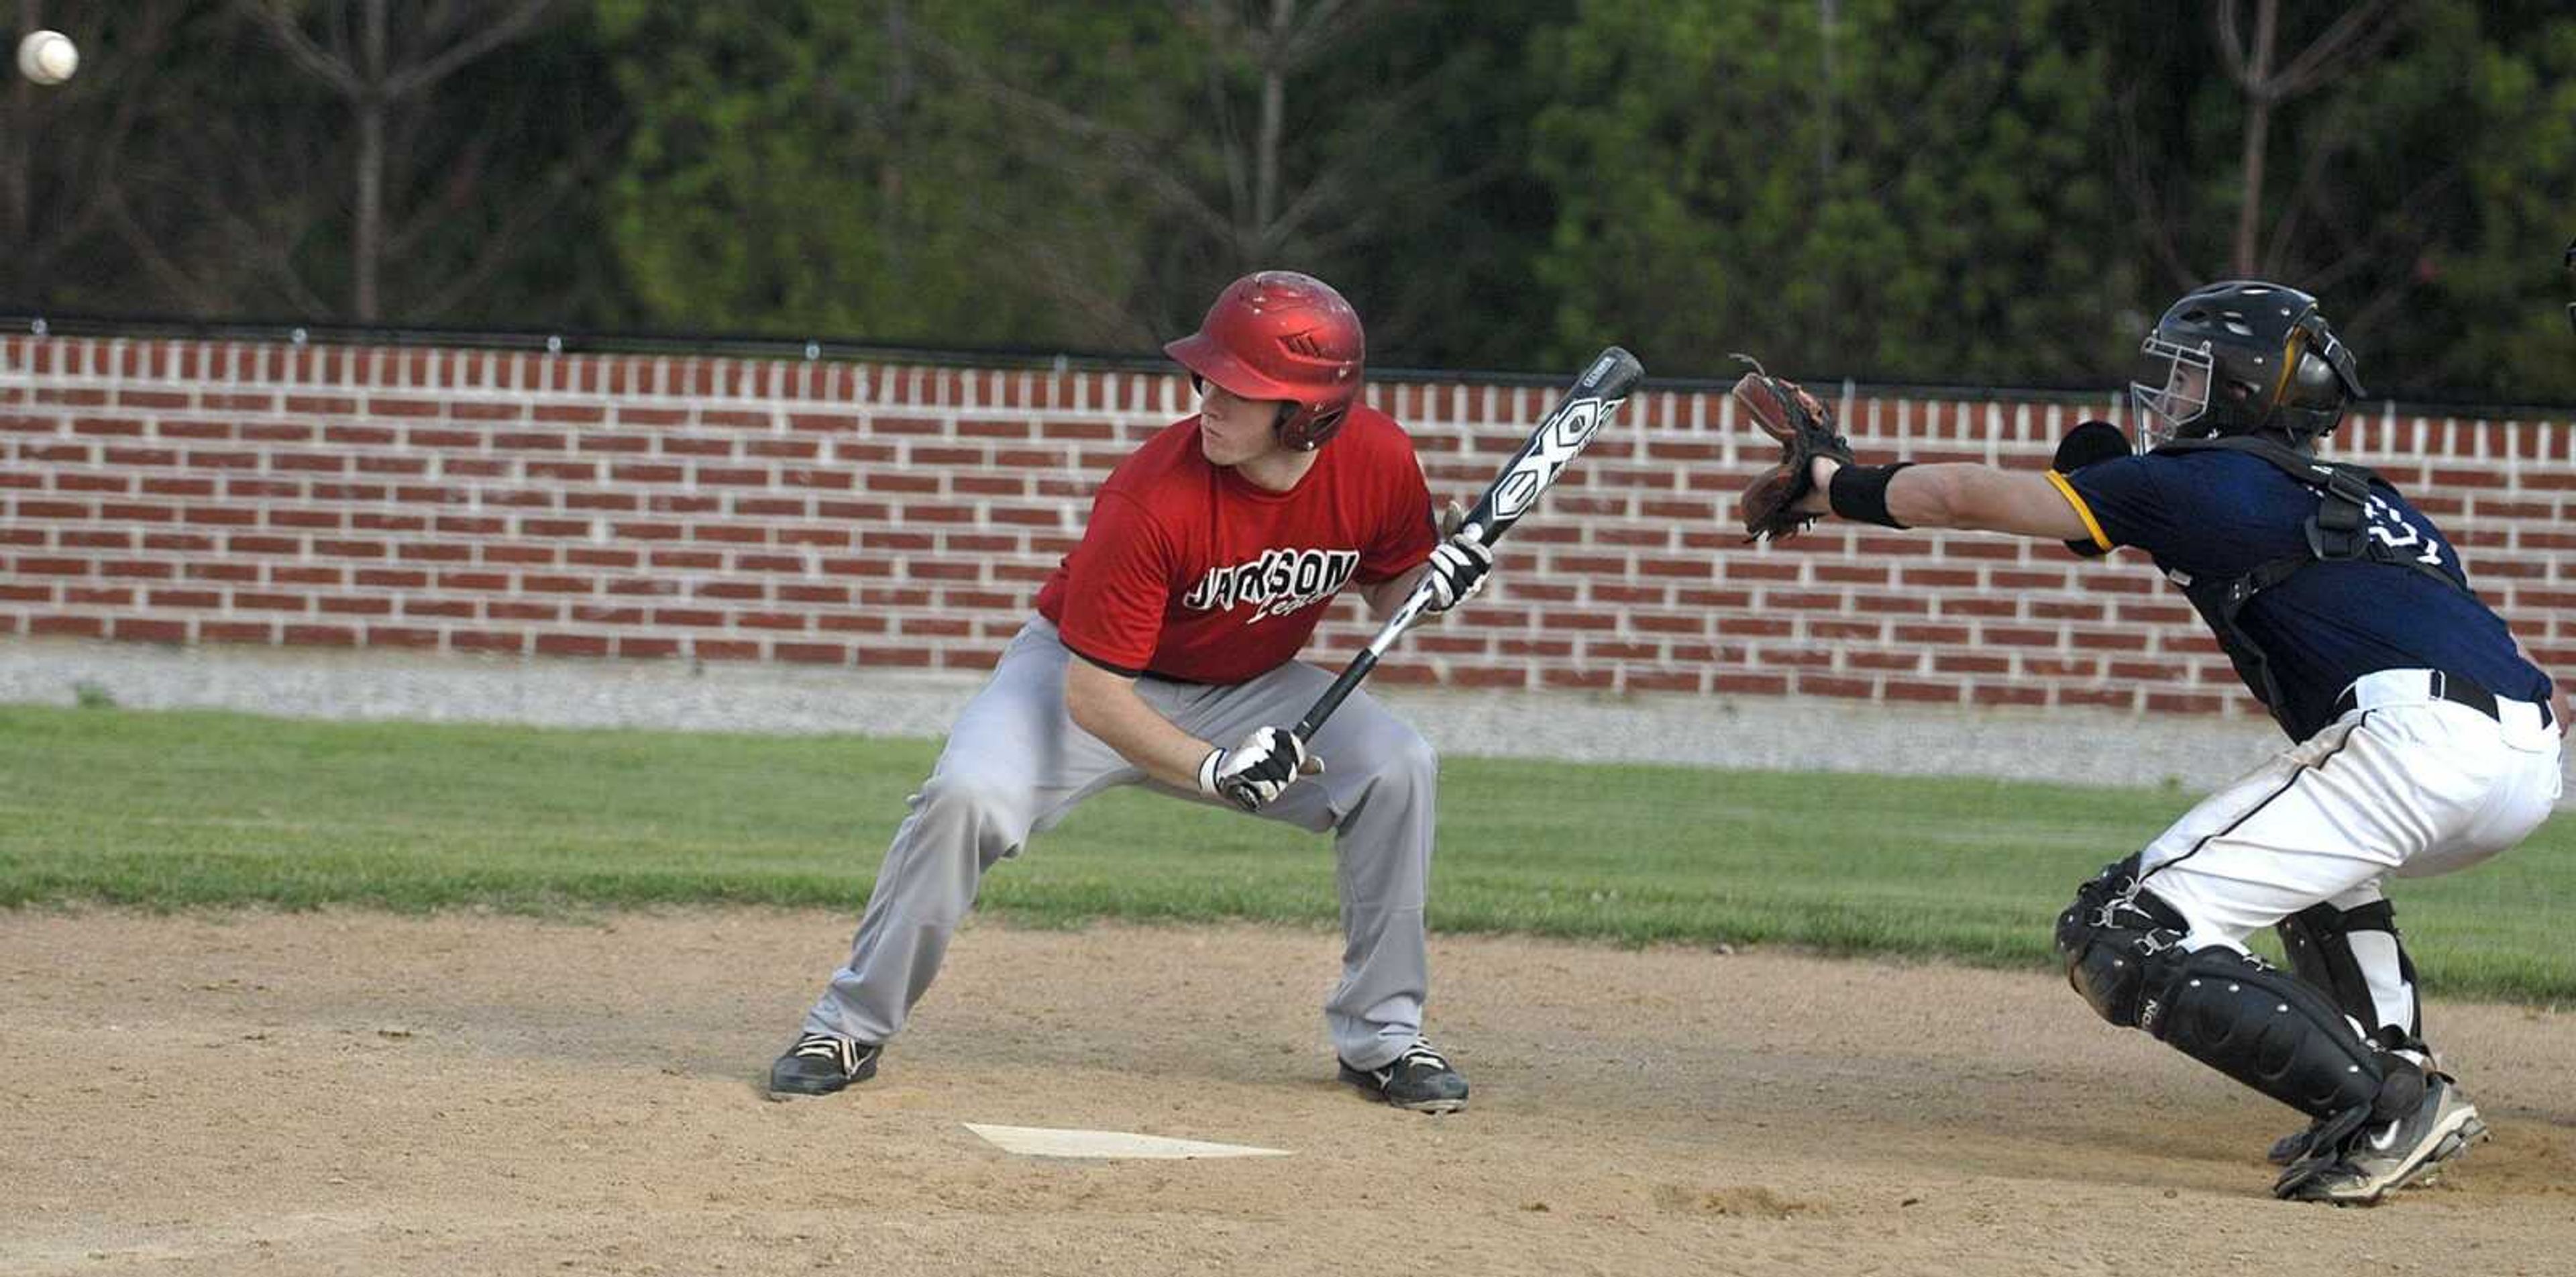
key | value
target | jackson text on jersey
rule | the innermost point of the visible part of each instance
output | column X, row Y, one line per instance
column 1275, row 584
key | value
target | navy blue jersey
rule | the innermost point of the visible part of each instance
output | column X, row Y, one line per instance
column 2218, row 514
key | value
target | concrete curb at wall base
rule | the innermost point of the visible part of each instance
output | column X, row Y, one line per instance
column 2194, row 753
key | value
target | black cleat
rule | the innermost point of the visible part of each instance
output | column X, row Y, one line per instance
column 1420, row 1080
column 821, row 1063
column 2293, row 1146
column 2366, row 1166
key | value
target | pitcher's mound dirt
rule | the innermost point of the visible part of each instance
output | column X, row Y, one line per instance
column 353, row 1093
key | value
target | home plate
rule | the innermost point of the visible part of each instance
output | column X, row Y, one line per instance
column 1039, row 1141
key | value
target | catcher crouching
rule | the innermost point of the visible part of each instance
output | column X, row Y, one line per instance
column 2423, row 738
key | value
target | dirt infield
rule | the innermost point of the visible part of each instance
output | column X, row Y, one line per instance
column 353, row 1093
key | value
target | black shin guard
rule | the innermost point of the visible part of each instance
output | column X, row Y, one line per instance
column 2319, row 943
column 2227, row 1009
column 2270, row 1030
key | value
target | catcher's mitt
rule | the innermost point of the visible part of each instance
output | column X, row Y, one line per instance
column 1805, row 430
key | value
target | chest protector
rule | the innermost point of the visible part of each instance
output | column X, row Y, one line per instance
column 2339, row 532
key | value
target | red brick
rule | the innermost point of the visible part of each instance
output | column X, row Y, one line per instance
column 2007, row 694
column 2183, row 703
column 319, row 636
column 2055, row 610
column 2020, row 636
column 572, row 645
column 811, row 653
column 894, row 481
column 500, row 641
column 67, row 626
column 141, row 629
column 2108, row 641
column 94, row 539
column 259, row 632
column 31, row 565
column 1811, row 683
column 1662, row 680
column 1591, row 679
column 1975, row 606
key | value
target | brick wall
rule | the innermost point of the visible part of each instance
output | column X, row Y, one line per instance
column 902, row 517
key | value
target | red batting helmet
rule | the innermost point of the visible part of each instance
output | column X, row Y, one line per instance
column 1276, row 334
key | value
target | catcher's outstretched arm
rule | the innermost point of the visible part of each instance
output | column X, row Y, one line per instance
column 1979, row 498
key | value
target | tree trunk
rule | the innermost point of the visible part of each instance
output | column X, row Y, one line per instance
column 367, row 236
column 1274, row 107
column 1825, row 16
column 2258, row 129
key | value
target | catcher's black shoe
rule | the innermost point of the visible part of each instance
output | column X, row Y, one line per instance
column 821, row 1063
column 2293, row 1146
column 1420, row 1079
column 2371, row 1162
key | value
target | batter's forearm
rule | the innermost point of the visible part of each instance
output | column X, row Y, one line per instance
column 1107, row 706
column 1386, row 596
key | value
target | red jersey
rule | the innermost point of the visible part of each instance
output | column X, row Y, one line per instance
column 1191, row 571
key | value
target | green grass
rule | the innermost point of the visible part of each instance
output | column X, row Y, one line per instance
column 168, row 810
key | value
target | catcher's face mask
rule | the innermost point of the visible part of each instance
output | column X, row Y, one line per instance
column 2172, row 390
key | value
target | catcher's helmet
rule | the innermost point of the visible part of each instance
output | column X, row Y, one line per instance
column 1276, row 334
column 2242, row 356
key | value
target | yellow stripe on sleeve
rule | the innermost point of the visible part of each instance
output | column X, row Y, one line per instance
column 2082, row 511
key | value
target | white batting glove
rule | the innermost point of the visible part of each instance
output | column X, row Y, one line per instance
column 1253, row 774
column 1458, row 568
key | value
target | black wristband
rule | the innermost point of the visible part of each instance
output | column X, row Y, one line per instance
column 1860, row 493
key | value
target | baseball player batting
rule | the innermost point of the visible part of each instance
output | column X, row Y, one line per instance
column 2424, row 737
column 1162, row 654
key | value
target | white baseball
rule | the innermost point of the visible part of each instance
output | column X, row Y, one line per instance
column 48, row 57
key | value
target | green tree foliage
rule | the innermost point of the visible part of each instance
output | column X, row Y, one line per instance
column 195, row 168
column 1893, row 190
column 812, row 167
column 1913, row 190
column 2504, row 333
column 987, row 171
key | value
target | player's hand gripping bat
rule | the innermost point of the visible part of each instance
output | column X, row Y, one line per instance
column 1596, row 395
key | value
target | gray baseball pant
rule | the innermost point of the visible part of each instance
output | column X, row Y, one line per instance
column 1015, row 764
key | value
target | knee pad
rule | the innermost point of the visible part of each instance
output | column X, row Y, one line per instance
column 2108, row 934
column 2358, row 959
